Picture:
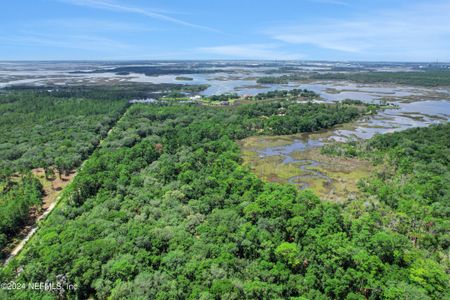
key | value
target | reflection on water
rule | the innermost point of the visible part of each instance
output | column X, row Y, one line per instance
column 305, row 165
column 296, row 145
column 417, row 114
column 242, row 81
column 409, row 115
column 239, row 80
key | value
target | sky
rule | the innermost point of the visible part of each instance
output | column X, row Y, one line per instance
column 380, row 30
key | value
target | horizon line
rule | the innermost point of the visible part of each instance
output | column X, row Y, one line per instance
column 218, row 59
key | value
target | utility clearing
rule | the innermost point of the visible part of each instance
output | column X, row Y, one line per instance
column 52, row 190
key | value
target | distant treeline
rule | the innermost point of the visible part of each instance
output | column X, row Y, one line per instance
column 428, row 78
column 153, row 70
column 122, row 91
column 294, row 93
column 223, row 97
column 284, row 79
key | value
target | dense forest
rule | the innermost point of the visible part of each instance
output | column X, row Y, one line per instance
column 61, row 125
column 414, row 182
column 17, row 197
column 41, row 130
column 163, row 209
column 38, row 130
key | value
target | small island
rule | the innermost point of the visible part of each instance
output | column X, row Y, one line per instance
column 184, row 78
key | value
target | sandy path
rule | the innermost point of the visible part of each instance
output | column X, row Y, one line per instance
column 51, row 199
column 52, row 191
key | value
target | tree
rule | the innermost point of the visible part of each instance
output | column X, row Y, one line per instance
column 290, row 254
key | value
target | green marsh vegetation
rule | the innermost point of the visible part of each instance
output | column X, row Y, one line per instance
column 336, row 178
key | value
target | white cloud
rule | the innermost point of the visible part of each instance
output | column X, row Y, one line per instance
column 340, row 36
column 81, row 42
column 114, row 6
column 419, row 32
column 250, row 51
column 91, row 25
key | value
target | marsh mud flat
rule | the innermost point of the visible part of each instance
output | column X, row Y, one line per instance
column 341, row 90
column 296, row 159
column 227, row 77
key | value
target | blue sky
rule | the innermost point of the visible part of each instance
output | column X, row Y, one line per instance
column 381, row 30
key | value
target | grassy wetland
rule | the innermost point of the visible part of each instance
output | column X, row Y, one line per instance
column 333, row 179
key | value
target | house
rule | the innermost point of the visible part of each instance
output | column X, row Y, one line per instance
column 148, row 100
column 196, row 97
